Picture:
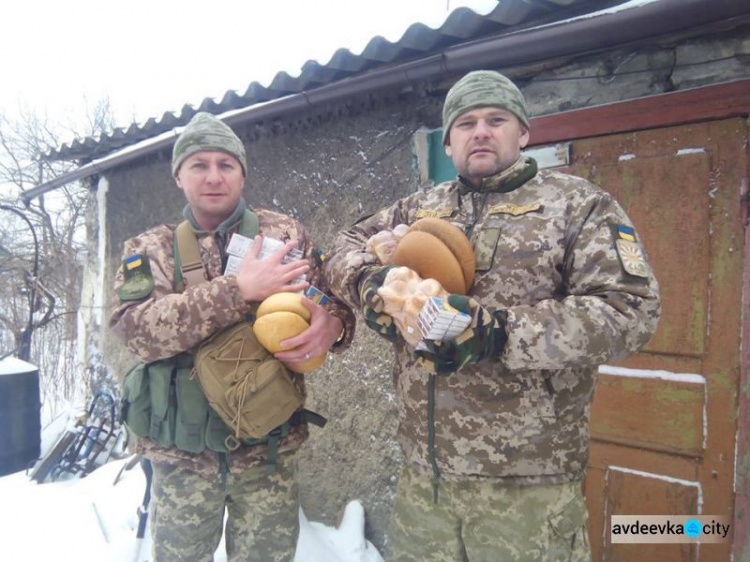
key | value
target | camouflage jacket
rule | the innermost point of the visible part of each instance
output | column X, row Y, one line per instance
column 546, row 253
column 167, row 323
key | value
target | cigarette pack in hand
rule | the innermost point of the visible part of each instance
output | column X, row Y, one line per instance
column 240, row 245
column 317, row 296
column 440, row 321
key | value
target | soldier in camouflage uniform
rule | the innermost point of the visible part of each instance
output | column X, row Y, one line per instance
column 494, row 424
column 191, row 490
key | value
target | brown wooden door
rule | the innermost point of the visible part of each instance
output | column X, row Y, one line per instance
column 664, row 422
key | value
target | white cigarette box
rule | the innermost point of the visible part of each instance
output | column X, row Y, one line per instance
column 240, row 245
column 440, row 321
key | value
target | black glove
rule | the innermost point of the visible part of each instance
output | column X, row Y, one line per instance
column 372, row 304
column 485, row 337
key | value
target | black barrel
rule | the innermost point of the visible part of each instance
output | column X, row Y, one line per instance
column 20, row 408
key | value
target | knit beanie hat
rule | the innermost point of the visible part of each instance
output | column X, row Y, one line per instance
column 206, row 132
column 482, row 88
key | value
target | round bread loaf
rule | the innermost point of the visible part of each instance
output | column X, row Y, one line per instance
column 280, row 317
column 455, row 239
column 436, row 249
column 289, row 302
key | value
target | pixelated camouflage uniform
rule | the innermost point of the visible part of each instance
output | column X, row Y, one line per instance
column 546, row 254
column 487, row 521
column 167, row 323
column 262, row 522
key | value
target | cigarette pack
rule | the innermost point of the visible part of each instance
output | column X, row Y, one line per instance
column 317, row 296
column 440, row 321
column 240, row 245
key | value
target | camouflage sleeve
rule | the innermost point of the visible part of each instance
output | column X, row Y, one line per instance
column 605, row 312
column 336, row 307
column 164, row 323
column 348, row 258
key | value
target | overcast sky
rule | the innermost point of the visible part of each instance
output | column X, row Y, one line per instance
column 152, row 56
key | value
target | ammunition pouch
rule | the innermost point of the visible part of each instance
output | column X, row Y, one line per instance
column 164, row 402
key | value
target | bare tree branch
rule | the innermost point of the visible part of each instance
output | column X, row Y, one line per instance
column 42, row 291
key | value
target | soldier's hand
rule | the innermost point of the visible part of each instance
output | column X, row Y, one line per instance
column 323, row 332
column 258, row 279
column 484, row 338
column 372, row 304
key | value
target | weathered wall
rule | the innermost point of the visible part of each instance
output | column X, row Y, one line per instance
column 330, row 168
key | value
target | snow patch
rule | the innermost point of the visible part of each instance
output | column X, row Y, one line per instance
column 15, row 366
column 652, row 374
column 685, row 151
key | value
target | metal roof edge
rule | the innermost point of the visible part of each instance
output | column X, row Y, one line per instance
column 595, row 32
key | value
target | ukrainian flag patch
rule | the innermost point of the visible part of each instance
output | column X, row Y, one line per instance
column 137, row 280
column 133, row 262
column 626, row 232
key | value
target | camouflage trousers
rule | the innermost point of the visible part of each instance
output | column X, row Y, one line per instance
column 187, row 514
column 482, row 521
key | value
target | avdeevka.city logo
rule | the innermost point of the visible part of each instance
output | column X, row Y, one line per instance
column 693, row 528
column 669, row 529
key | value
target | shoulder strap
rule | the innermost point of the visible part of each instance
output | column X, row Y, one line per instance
column 188, row 266
column 250, row 224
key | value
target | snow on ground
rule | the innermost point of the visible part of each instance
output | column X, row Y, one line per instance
column 94, row 519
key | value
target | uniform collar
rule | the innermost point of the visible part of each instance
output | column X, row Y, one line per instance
column 506, row 181
column 232, row 221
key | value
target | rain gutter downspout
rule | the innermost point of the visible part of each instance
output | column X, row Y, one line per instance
column 593, row 32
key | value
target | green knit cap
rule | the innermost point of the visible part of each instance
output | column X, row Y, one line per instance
column 482, row 88
column 206, row 132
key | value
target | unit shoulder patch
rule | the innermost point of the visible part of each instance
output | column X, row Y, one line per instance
column 138, row 281
column 629, row 251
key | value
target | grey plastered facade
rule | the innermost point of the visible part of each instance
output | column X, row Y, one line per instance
column 330, row 165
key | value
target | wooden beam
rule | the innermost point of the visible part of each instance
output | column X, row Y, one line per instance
column 700, row 104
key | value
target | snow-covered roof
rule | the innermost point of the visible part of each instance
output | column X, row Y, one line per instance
column 15, row 366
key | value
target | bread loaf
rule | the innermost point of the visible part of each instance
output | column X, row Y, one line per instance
column 280, row 317
column 436, row 249
column 290, row 302
column 457, row 243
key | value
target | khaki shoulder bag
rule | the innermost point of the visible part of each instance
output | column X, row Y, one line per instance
column 249, row 389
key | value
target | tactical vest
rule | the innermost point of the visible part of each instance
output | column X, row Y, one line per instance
column 163, row 400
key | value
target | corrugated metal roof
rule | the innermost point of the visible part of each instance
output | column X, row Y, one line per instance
column 417, row 42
